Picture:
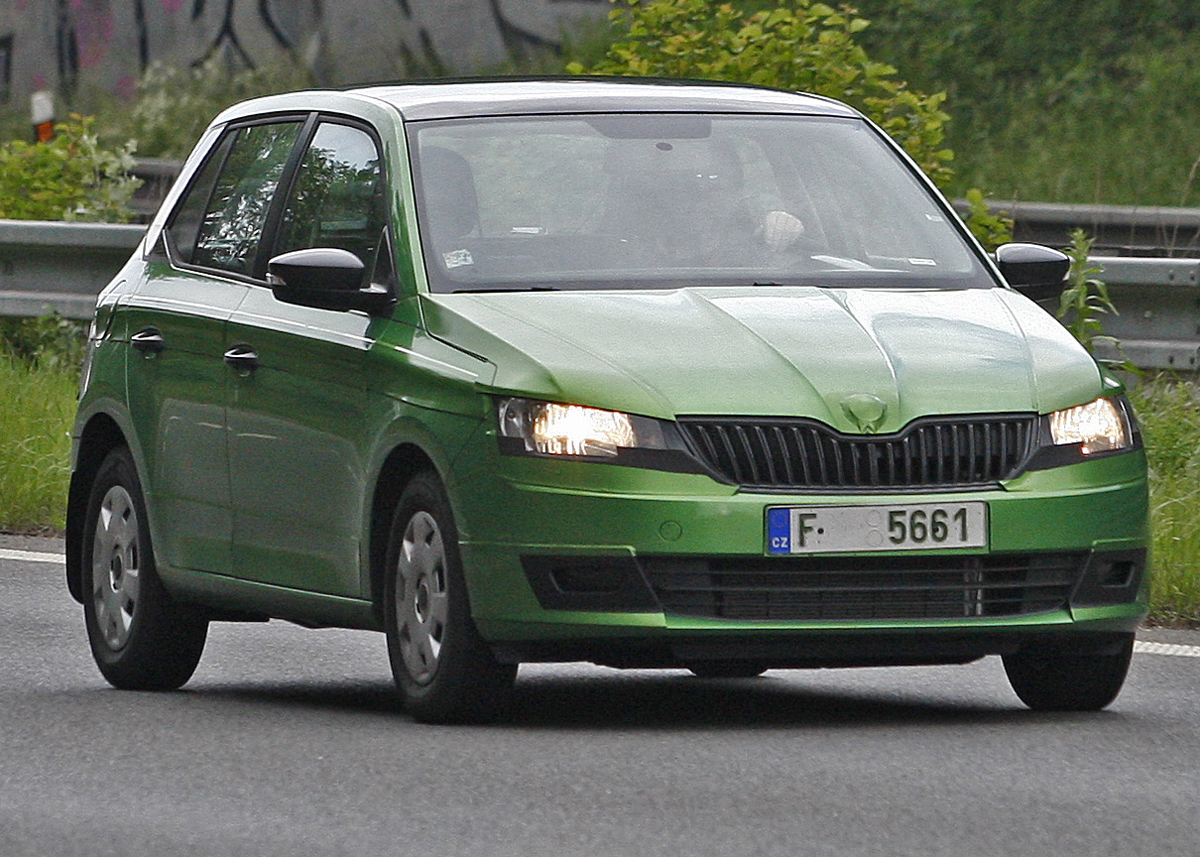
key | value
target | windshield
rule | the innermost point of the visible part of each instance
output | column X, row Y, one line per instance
column 659, row 201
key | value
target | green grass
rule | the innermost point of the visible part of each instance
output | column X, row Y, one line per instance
column 1169, row 411
column 35, row 445
column 1110, row 148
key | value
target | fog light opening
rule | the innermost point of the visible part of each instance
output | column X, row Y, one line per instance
column 1117, row 574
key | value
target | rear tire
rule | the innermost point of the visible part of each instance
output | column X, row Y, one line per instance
column 444, row 670
column 140, row 638
column 1051, row 679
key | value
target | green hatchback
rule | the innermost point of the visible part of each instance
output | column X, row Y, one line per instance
column 644, row 373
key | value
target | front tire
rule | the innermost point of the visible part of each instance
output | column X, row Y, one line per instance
column 1051, row 679
column 140, row 638
column 444, row 670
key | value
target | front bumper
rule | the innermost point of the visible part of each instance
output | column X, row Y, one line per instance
column 561, row 572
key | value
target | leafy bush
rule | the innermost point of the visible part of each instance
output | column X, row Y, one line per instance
column 72, row 177
column 48, row 342
column 991, row 229
column 1085, row 298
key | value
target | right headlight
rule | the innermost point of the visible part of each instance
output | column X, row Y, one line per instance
column 553, row 428
column 540, row 429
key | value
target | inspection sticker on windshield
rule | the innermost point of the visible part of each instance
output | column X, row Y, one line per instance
column 849, row 529
column 457, row 258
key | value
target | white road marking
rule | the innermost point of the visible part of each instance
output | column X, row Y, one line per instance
column 33, row 556
column 1147, row 648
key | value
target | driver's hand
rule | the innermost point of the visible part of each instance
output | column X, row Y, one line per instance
column 780, row 230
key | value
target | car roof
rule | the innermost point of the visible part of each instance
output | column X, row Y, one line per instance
column 448, row 99
column 586, row 95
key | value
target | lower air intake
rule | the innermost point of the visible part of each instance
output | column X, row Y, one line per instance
column 864, row 588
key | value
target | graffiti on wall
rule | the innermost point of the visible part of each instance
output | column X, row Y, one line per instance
column 64, row 45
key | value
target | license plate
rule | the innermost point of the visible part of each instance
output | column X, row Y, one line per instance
column 853, row 529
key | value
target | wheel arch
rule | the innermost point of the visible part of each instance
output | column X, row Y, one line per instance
column 403, row 463
column 100, row 436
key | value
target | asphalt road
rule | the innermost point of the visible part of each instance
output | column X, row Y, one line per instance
column 289, row 742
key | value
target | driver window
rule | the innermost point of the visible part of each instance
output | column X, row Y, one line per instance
column 337, row 199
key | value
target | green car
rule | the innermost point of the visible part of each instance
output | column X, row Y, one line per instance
column 644, row 373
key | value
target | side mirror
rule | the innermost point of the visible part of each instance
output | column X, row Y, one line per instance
column 1035, row 271
column 324, row 278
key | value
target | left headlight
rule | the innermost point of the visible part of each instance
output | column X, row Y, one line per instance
column 554, row 428
column 1102, row 425
column 1100, row 428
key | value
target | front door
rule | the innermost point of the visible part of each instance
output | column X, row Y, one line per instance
column 300, row 440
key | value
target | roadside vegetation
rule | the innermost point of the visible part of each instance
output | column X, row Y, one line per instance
column 1045, row 101
column 35, row 443
column 1168, row 409
column 39, row 380
column 1084, row 101
column 72, row 177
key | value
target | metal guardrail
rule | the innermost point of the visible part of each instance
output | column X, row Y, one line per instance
column 1117, row 230
column 61, row 267
column 1158, row 311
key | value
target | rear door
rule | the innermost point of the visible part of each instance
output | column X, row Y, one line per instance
column 178, row 380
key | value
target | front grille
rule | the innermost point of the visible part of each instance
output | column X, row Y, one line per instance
column 863, row 588
column 776, row 454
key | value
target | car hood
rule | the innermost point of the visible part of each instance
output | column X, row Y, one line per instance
column 775, row 351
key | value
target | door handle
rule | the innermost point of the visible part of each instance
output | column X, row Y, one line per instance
column 148, row 340
column 243, row 358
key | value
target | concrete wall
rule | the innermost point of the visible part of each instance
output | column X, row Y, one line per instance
column 69, row 45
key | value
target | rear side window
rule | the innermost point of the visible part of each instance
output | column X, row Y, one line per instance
column 220, row 222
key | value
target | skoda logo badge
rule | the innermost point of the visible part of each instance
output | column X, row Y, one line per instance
column 865, row 411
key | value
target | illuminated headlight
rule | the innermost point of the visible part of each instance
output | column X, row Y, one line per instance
column 551, row 428
column 1099, row 426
